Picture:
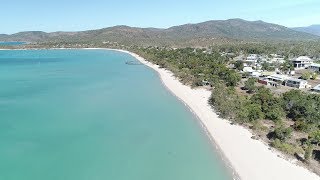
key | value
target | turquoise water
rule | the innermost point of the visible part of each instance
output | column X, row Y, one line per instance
column 11, row 43
column 86, row 115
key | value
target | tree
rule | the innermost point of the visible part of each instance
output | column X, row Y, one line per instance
column 250, row 112
column 274, row 113
column 271, row 106
column 267, row 66
column 232, row 78
column 308, row 152
column 314, row 76
column 250, row 85
column 287, row 66
column 225, row 101
column 315, row 137
column 282, row 133
column 306, row 76
column 239, row 65
column 302, row 106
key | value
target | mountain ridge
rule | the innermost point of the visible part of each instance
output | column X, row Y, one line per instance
column 313, row 29
column 187, row 34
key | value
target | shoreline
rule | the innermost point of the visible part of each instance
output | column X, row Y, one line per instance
column 254, row 162
column 249, row 159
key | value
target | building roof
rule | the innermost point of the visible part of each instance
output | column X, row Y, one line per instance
column 317, row 87
column 315, row 65
column 303, row 58
column 279, row 77
column 297, row 80
column 248, row 69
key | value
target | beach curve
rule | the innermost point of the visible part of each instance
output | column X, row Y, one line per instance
column 251, row 159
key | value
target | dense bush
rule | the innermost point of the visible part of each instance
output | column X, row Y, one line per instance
column 286, row 147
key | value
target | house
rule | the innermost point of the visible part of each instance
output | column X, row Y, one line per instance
column 251, row 72
column 314, row 67
column 297, row 83
column 278, row 78
column 316, row 88
column 247, row 69
column 275, row 58
column 302, row 62
column 274, row 80
column 252, row 58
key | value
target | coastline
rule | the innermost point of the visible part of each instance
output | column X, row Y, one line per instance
column 250, row 159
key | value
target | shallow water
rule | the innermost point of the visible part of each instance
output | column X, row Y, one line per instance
column 86, row 115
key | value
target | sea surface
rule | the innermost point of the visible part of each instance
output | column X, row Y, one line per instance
column 11, row 43
column 86, row 115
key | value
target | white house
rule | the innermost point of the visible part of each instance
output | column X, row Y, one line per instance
column 297, row 83
column 274, row 80
column 248, row 69
column 252, row 72
column 252, row 58
column 278, row 78
column 302, row 62
column 314, row 67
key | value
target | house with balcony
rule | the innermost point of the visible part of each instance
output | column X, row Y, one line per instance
column 302, row 62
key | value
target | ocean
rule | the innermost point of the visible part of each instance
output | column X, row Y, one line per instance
column 11, row 43
column 87, row 115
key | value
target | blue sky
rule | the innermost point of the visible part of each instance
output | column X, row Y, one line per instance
column 75, row 15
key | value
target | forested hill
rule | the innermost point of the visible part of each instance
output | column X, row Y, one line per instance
column 314, row 29
column 189, row 34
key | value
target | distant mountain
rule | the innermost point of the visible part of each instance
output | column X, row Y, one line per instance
column 188, row 34
column 313, row 29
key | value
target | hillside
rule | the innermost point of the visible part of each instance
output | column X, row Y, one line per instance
column 314, row 29
column 189, row 34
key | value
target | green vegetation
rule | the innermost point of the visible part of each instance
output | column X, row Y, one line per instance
column 289, row 117
column 250, row 85
column 195, row 35
column 286, row 147
column 314, row 76
column 239, row 65
column 306, row 76
column 281, row 133
column 267, row 66
column 308, row 153
column 315, row 137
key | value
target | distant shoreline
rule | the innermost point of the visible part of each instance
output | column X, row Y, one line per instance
column 249, row 158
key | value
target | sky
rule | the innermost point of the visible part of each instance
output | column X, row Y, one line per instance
column 77, row 15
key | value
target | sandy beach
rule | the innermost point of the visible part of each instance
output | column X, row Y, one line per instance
column 251, row 159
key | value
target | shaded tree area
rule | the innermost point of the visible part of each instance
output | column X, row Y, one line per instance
column 193, row 66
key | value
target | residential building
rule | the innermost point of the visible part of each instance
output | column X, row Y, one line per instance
column 251, row 72
column 274, row 80
column 297, row 83
column 302, row 62
column 278, row 78
column 314, row 67
column 252, row 58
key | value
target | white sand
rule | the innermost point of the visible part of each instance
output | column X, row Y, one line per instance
column 251, row 159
